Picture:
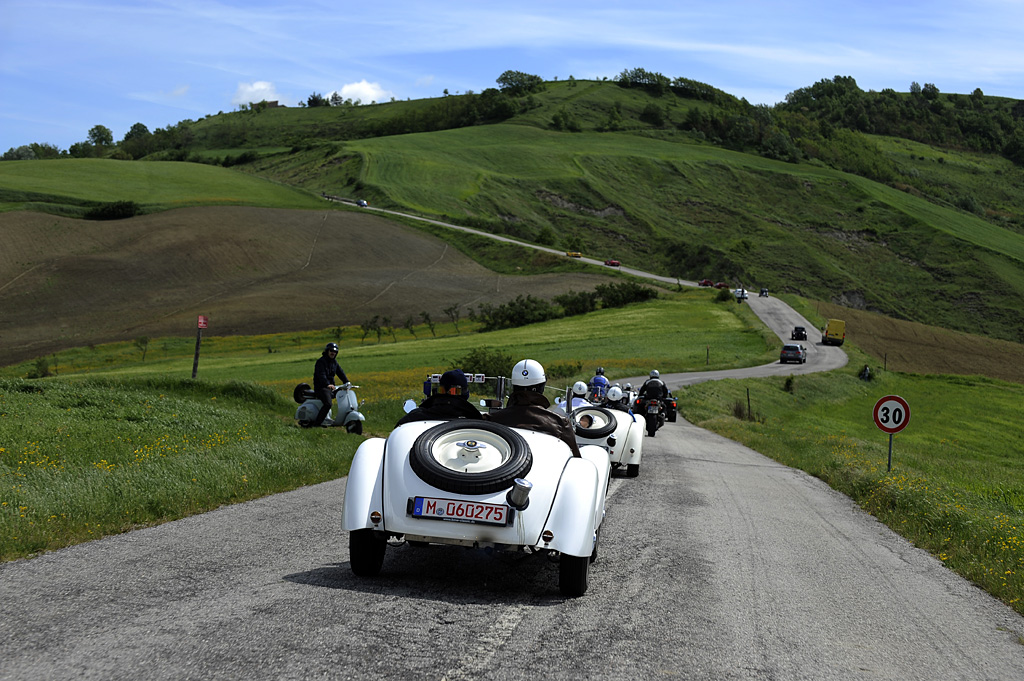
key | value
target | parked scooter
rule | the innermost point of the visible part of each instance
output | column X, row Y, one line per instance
column 345, row 412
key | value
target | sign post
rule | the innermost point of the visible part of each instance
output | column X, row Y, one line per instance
column 200, row 325
column 891, row 414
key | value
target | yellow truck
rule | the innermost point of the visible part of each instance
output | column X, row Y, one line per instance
column 834, row 332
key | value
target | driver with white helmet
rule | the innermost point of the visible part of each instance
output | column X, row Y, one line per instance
column 579, row 394
column 528, row 408
column 616, row 399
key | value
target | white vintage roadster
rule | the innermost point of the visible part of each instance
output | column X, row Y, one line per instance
column 620, row 433
column 477, row 484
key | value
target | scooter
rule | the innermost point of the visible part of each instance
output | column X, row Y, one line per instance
column 347, row 412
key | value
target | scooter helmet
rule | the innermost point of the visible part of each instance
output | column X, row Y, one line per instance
column 579, row 388
column 614, row 394
column 600, row 371
column 654, row 373
column 528, row 374
column 330, row 347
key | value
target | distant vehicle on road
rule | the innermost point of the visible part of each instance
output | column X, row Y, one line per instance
column 791, row 352
column 612, row 263
column 834, row 332
column 763, row 293
column 799, row 333
column 741, row 293
column 574, row 254
column 721, row 284
column 705, row 282
column 362, row 203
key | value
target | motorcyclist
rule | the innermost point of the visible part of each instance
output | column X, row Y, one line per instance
column 653, row 388
column 324, row 371
column 450, row 402
column 598, row 385
column 528, row 408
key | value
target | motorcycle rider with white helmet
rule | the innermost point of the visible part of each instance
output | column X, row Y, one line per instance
column 527, row 407
column 653, row 388
column 616, row 399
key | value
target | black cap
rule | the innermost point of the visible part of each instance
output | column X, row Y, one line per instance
column 454, row 378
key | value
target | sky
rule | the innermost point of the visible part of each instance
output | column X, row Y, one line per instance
column 68, row 65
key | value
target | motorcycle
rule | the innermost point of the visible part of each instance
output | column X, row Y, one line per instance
column 653, row 411
column 346, row 414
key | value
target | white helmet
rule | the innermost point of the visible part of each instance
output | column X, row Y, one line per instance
column 614, row 394
column 528, row 373
column 654, row 373
column 579, row 388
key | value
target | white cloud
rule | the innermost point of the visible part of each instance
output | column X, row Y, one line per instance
column 364, row 92
column 255, row 92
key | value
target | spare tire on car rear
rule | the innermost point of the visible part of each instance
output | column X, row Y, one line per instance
column 594, row 432
column 301, row 393
column 466, row 456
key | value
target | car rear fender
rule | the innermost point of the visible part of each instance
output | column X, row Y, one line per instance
column 364, row 486
column 579, row 488
column 632, row 451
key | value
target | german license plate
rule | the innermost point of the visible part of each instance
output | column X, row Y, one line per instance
column 459, row 511
column 653, row 409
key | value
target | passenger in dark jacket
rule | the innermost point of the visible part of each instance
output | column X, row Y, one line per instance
column 324, row 371
column 528, row 408
column 450, row 402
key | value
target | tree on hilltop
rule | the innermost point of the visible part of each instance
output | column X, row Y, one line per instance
column 517, row 83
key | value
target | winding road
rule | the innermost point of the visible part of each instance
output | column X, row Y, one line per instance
column 715, row 563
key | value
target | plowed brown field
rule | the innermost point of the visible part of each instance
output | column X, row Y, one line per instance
column 68, row 283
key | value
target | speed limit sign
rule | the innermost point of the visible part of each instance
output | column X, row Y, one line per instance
column 892, row 413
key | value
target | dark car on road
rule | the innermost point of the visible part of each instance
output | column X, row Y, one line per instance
column 799, row 333
column 791, row 352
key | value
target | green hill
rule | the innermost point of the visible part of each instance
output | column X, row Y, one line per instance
column 922, row 224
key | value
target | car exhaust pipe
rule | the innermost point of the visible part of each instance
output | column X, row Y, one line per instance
column 519, row 496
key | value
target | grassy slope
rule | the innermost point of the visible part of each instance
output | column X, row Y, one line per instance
column 57, row 185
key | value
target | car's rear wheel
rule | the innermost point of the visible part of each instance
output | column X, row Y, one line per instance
column 604, row 422
column 366, row 552
column 572, row 575
column 355, row 427
column 632, row 470
column 481, row 458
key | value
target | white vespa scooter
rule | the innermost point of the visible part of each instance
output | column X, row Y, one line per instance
column 345, row 414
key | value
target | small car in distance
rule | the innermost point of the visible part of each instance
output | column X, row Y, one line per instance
column 742, row 293
column 799, row 333
column 705, row 282
column 612, row 263
column 721, row 284
column 763, row 293
column 792, row 352
column 362, row 203
column 574, row 254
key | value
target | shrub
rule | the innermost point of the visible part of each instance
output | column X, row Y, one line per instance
column 118, row 210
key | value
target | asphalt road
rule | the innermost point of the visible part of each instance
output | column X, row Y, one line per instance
column 715, row 563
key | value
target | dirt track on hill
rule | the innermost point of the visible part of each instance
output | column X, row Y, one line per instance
column 68, row 283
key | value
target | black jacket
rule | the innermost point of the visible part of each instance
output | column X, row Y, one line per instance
column 325, row 371
column 653, row 389
column 529, row 410
column 441, row 408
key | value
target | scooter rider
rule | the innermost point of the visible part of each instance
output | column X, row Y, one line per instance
column 598, row 384
column 324, row 371
column 528, row 408
column 450, row 402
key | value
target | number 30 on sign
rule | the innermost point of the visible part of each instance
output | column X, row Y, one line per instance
column 892, row 413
